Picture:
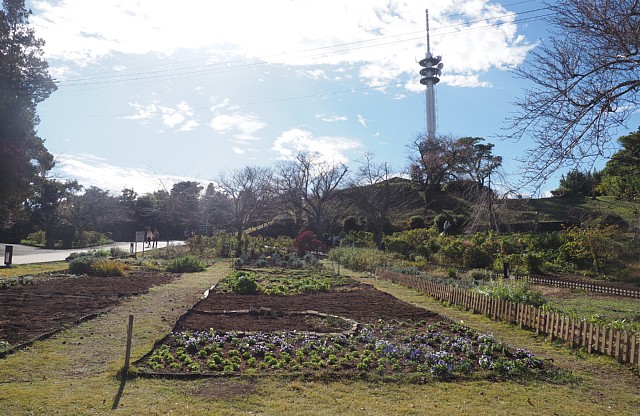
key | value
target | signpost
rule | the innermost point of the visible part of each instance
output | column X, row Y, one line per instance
column 140, row 239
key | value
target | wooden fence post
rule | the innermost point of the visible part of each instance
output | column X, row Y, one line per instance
column 127, row 355
column 610, row 342
column 634, row 351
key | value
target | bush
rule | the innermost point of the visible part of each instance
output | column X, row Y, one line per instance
column 106, row 267
column 397, row 245
column 361, row 259
column 311, row 259
column 80, row 263
column 476, row 258
column 119, row 252
column 416, row 222
column 514, row 291
column 358, row 239
column 91, row 238
column 307, row 242
column 243, row 282
column 185, row 264
column 295, row 262
column 35, row 239
column 261, row 262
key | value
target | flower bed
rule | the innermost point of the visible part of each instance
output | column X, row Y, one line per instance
column 385, row 349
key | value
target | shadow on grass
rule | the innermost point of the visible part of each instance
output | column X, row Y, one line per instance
column 116, row 401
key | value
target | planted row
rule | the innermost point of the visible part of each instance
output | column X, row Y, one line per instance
column 442, row 350
column 282, row 281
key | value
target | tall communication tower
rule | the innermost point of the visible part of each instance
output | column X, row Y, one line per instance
column 431, row 70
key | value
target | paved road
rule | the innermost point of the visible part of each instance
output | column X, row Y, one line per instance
column 26, row 254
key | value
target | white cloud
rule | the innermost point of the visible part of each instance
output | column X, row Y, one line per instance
column 330, row 149
column 383, row 38
column 330, row 118
column 362, row 120
column 316, row 74
column 90, row 170
column 143, row 111
column 181, row 115
column 189, row 125
column 244, row 126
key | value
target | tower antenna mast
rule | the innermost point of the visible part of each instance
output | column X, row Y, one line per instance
column 431, row 71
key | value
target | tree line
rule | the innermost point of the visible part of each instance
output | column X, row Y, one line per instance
column 585, row 83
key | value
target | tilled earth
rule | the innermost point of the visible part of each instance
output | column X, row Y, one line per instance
column 361, row 302
column 28, row 312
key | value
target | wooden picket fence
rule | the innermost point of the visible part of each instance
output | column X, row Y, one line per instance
column 591, row 287
column 577, row 333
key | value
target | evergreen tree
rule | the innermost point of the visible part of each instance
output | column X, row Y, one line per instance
column 621, row 175
column 24, row 82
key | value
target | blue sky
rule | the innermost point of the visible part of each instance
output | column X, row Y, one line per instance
column 150, row 93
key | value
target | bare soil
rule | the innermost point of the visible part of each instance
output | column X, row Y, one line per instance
column 29, row 312
column 361, row 302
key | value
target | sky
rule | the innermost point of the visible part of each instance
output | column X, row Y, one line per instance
column 153, row 92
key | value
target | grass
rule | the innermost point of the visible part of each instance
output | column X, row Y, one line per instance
column 31, row 269
column 586, row 304
column 74, row 373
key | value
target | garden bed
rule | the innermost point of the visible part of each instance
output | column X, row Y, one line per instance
column 35, row 308
column 299, row 334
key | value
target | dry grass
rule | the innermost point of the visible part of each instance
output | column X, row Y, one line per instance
column 36, row 268
column 74, row 373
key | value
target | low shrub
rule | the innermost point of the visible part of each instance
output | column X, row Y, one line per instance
column 307, row 242
column 243, row 282
column 80, row 265
column 37, row 238
column 295, row 262
column 91, row 238
column 106, row 267
column 514, row 291
column 363, row 259
column 119, row 252
column 185, row 264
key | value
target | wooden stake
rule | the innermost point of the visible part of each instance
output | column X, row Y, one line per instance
column 128, row 353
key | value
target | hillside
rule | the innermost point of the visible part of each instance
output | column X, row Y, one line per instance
column 406, row 200
column 510, row 214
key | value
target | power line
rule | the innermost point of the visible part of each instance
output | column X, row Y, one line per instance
column 308, row 53
column 268, row 101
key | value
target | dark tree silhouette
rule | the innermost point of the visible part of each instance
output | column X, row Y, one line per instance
column 24, row 82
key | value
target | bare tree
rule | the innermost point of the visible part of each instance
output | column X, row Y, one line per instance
column 309, row 186
column 375, row 195
column 250, row 193
column 586, row 81
column 432, row 161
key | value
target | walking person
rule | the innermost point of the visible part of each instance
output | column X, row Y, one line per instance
column 156, row 237
column 149, row 237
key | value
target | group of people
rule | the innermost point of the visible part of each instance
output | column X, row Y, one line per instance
column 152, row 238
